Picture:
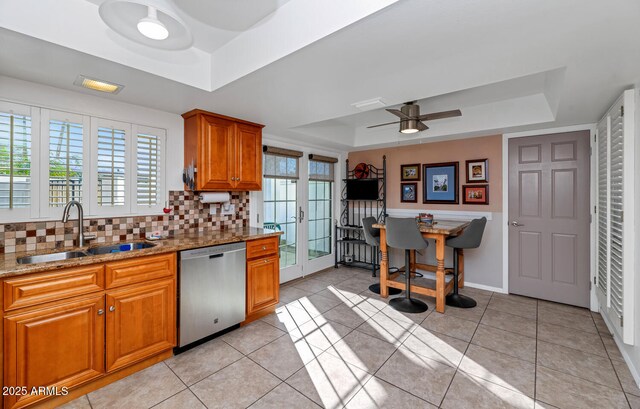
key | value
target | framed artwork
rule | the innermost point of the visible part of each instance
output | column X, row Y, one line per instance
column 409, row 192
column 477, row 171
column 410, row 172
column 475, row 194
column 440, row 183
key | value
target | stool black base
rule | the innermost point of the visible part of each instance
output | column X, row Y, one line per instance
column 460, row 301
column 375, row 288
column 408, row 305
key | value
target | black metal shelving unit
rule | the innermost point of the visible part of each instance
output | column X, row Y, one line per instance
column 350, row 246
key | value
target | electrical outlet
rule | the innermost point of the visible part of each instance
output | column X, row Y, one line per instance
column 228, row 210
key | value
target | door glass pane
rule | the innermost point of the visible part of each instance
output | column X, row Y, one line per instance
column 280, row 204
column 319, row 218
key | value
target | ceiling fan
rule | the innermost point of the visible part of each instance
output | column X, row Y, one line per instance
column 411, row 120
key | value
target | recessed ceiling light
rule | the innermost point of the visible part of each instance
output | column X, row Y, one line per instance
column 97, row 85
column 369, row 104
column 151, row 27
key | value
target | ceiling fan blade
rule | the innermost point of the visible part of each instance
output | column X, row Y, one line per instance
column 440, row 115
column 399, row 113
column 422, row 127
column 388, row 123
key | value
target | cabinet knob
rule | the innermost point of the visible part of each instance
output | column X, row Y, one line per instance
column 266, row 261
column 112, row 308
column 100, row 311
column 264, row 247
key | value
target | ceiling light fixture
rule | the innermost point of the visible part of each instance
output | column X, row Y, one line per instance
column 151, row 27
column 97, row 85
column 409, row 126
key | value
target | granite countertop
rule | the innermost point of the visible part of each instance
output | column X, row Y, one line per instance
column 9, row 266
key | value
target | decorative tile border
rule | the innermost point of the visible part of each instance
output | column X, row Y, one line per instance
column 189, row 215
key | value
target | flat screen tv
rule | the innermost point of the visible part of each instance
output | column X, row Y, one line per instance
column 362, row 189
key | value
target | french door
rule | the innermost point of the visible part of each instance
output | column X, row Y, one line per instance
column 298, row 199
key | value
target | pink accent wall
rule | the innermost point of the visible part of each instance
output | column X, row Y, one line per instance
column 459, row 150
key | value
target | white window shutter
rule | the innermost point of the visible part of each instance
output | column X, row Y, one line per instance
column 616, row 215
column 602, row 138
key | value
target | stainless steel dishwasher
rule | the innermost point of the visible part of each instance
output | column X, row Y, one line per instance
column 212, row 290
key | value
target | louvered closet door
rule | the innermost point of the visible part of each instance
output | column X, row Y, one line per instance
column 603, row 206
column 616, row 215
column 616, row 180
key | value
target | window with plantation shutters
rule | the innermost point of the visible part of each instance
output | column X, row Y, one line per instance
column 148, row 168
column 111, row 166
column 615, row 216
column 15, row 161
column 65, row 157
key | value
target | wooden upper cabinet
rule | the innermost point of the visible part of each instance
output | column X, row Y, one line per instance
column 226, row 152
column 249, row 157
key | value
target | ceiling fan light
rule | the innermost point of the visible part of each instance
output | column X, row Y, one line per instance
column 410, row 126
column 151, row 27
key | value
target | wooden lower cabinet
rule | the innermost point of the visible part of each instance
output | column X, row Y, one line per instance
column 54, row 346
column 141, row 321
column 86, row 339
column 263, row 277
column 263, row 283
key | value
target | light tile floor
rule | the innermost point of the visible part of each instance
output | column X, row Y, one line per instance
column 332, row 343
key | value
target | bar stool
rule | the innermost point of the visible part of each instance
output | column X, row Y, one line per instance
column 405, row 234
column 469, row 239
column 372, row 238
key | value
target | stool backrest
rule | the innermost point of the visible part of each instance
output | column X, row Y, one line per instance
column 371, row 235
column 471, row 236
column 403, row 233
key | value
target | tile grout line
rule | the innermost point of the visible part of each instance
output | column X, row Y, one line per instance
column 464, row 354
column 612, row 365
column 185, row 384
column 373, row 375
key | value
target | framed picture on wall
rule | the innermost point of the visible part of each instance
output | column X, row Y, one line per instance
column 440, row 183
column 477, row 171
column 409, row 192
column 475, row 194
column 410, row 172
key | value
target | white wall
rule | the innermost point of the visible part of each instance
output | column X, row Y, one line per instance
column 30, row 93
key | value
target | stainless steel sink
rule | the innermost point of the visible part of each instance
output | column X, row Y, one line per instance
column 44, row 258
column 120, row 247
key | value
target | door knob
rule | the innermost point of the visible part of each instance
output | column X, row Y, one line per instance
column 516, row 224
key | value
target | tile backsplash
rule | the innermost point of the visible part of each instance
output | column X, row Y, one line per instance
column 188, row 215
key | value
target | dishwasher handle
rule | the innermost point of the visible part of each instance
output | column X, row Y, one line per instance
column 216, row 255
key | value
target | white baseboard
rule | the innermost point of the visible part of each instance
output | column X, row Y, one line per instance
column 485, row 287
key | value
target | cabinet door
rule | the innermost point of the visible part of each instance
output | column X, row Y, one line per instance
column 216, row 164
column 248, row 157
column 58, row 345
column 263, row 283
column 141, row 322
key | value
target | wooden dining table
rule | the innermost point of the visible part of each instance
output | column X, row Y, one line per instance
column 439, row 231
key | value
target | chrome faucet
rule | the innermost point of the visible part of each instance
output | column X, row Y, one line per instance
column 65, row 218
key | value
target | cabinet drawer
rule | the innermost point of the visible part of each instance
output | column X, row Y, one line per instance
column 139, row 269
column 36, row 289
column 262, row 247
